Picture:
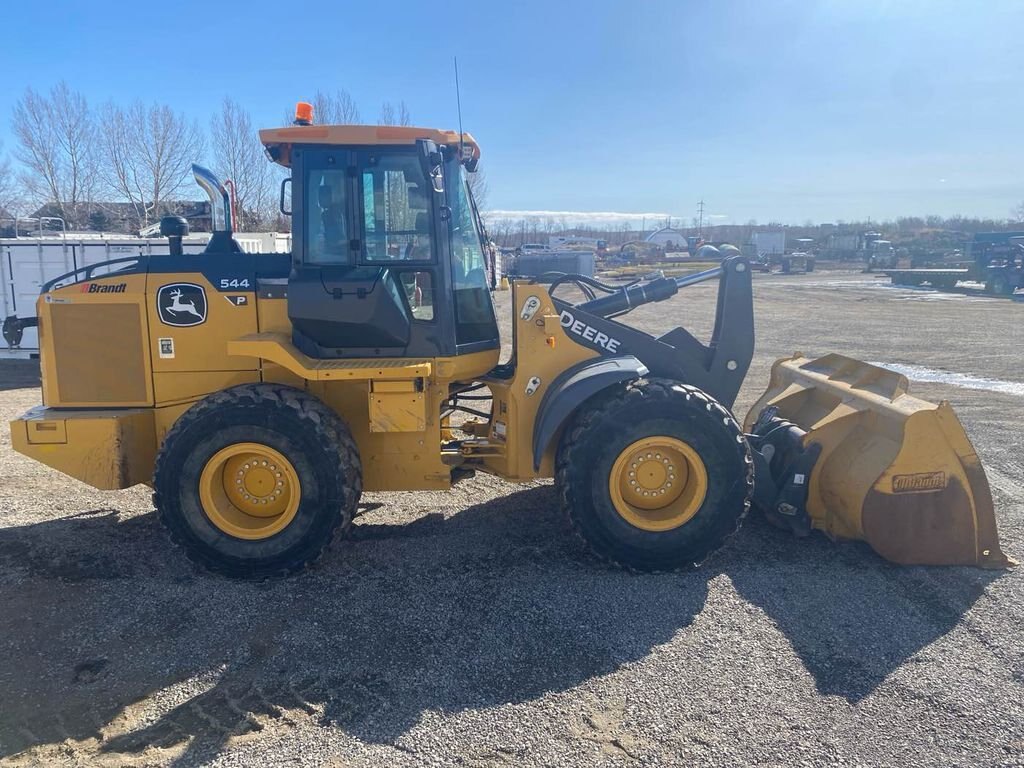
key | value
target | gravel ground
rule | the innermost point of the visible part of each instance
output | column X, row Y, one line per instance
column 465, row 628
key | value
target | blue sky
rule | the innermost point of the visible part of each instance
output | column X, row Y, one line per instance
column 775, row 111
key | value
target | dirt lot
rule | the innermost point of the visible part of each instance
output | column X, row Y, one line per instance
column 466, row 628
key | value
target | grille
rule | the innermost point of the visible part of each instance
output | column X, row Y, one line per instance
column 99, row 353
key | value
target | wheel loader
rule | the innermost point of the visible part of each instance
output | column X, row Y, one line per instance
column 260, row 394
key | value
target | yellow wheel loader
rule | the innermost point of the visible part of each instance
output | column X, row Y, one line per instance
column 260, row 394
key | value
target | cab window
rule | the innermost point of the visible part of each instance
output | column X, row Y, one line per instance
column 474, row 313
column 395, row 209
column 326, row 226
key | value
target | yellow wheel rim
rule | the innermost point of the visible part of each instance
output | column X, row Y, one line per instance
column 249, row 491
column 658, row 483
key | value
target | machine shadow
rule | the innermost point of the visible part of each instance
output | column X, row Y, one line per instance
column 492, row 605
column 19, row 374
column 852, row 617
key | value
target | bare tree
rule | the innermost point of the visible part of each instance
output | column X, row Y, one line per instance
column 387, row 114
column 149, row 151
column 10, row 199
column 403, row 114
column 56, row 144
column 338, row 108
column 1018, row 213
column 478, row 186
column 238, row 155
column 390, row 115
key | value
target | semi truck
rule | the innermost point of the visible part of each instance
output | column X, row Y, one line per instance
column 877, row 252
column 870, row 247
column 993, row 258
column 800, row 258
column 767, row 250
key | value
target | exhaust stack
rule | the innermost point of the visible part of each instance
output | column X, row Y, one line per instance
column 220, row 201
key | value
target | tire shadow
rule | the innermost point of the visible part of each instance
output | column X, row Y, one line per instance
column 489, row 606
column 19, row 374
column 108, row 633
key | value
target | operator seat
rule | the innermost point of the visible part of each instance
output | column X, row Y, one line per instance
column 419, row 247
column 332, row 216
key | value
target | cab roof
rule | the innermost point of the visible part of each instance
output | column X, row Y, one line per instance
column 279, row 141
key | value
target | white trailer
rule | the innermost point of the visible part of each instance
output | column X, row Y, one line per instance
column 769, row 243
column 567, row 241
column 27, row 263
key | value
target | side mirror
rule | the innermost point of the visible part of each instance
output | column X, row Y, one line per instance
column 437, row 178
column 432, row 161
column 286, row 184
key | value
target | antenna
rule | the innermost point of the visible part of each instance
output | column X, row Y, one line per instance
column 700, row 225
column 458, row 101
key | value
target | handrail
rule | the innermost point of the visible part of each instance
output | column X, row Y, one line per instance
column 40, row 220
column 58, row 281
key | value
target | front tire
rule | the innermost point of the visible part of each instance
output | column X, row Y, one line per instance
column 654, row 476
column 256, row 480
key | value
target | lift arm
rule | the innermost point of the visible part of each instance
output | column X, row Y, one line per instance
column 718, row 367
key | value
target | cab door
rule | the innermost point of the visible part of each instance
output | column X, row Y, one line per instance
column 368, row 277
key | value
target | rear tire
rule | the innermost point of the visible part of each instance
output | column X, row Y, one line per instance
column 999, row 285
column 786, row 267
column 256, row 480
column 688, row 453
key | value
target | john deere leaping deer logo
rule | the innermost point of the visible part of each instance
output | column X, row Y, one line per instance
column 181, row 304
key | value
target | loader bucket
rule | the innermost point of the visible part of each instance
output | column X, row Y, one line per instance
column 890, row 469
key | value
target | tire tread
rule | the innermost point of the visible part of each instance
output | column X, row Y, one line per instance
column 330, row 431
column 614, row 401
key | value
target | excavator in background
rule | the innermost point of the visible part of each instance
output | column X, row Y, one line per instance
column 260, row 394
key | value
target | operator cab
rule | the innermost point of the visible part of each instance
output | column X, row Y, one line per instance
column 388, row 257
